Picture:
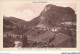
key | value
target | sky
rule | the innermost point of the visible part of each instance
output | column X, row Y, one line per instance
column 27, row 10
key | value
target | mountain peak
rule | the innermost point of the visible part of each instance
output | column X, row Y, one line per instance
column 53, row 15
column 59, row 9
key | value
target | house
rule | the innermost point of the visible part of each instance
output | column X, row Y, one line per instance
column 55, row 29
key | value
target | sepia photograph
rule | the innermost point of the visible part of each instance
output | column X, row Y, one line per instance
column 39, row 25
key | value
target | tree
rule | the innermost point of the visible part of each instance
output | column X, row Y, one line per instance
column 25, row 41
column 8, row 41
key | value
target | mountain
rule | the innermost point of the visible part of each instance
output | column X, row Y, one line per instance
column 52, row 18
column 53, row 15
column 34, row 22
column 14, row 20
column 11, row 23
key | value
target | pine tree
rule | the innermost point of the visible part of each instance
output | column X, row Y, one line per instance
column 25, row 41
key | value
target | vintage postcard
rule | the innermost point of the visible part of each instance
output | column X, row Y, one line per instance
column 39, row 25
